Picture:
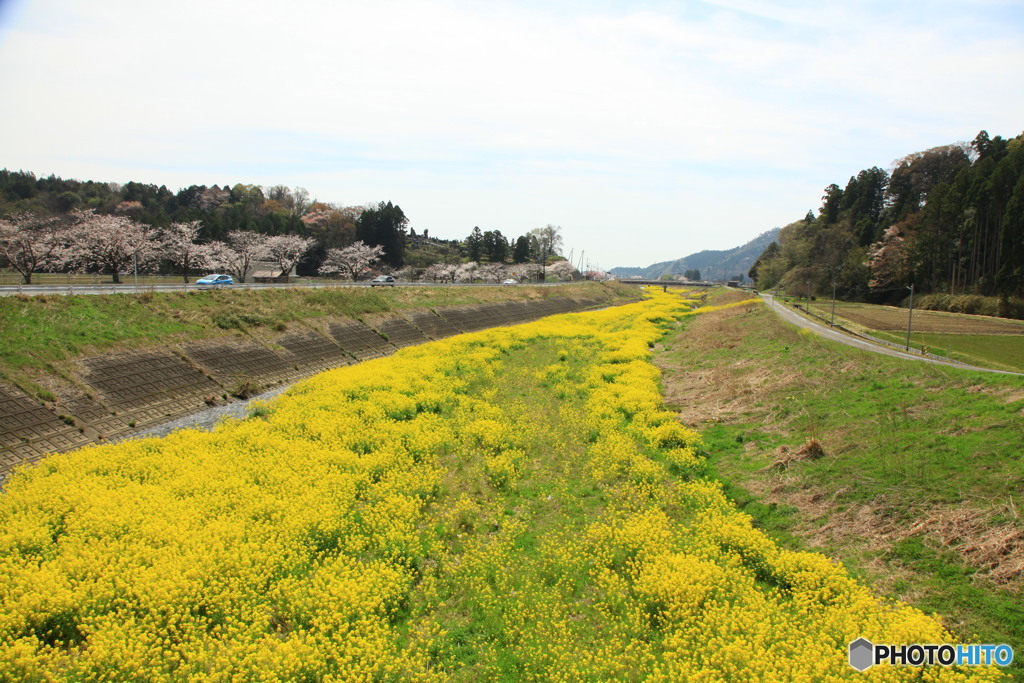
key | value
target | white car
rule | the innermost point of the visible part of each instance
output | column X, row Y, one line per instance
column 382, row 281
column 510, row 281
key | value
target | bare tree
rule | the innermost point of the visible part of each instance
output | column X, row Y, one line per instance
column 352, row 260
column 301, row 199
column 296, row 201
column 548, row 241
column 31, row 243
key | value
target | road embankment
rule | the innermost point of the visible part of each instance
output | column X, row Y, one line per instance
column 85, row 397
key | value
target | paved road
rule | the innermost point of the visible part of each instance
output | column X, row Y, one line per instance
column 799, row 320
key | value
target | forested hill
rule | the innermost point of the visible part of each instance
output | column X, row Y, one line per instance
column 727, row 264
column 274, row 210
column 948, row 220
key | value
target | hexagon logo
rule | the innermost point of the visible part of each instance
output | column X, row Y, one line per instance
column 862, row 654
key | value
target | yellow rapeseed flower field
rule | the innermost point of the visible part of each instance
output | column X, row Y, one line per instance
column 513, row 504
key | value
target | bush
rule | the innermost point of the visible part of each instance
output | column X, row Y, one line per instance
column 975, row 304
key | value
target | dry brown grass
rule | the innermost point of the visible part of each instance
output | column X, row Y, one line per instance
column 726, row 391
column 891, row 318
column 812, row 449
column 997, row 551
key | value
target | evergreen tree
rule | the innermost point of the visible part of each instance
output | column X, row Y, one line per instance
column 521, row 251
column 495, row 246
column 384, row 226
column 475, row 244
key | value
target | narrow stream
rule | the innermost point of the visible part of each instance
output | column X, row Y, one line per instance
column 204, row 419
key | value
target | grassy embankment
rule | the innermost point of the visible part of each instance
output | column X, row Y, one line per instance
column 917, row 485
column 42, row 333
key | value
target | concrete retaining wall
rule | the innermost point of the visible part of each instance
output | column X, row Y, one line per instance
column 131, row 391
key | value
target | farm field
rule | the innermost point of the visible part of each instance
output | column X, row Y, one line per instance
column 917, row 482
column 514, row 504
column 978, row 340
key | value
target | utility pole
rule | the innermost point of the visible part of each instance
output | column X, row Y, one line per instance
column 808, row 296
column 833, row 323
column 910, row 314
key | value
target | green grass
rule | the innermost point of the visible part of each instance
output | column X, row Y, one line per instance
column 505, row 522
column 40, row 332
column 905, row 441
column 998, row 351
column 952, row 583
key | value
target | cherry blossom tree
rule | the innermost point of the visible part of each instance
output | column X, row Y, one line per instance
column 217, row 256
column 238, row 256
column 112, row 244
column 563, row 270
column 527, row 271
column 890, row 258
column 318, row 216
column 443, row 272
column 288, row 249
column 334, row 226
column 466, row 271
column 31, row 243
column 492, row 272
column 352, row 260
column 177, row 243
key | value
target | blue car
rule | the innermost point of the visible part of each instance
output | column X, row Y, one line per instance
column 216, row 280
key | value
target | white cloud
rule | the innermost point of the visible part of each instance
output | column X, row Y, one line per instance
column 685, row 125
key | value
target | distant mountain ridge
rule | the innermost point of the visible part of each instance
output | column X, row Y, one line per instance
column 712, row 264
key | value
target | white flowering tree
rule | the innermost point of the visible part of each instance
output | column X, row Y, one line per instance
column 31, row 243
column 352, row 260
column 288, row 249
column 111, row 244
column 492, row 272
column 526, row 271
column 890, row 258
column 443, row 272
column 563, row 270
column 177, row 244
column 237, row 257
column 466, row 272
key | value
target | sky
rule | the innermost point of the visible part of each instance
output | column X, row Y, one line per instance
column 646, row 130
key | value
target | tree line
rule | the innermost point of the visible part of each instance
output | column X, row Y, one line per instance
column 56, row 224
column 947, row 220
